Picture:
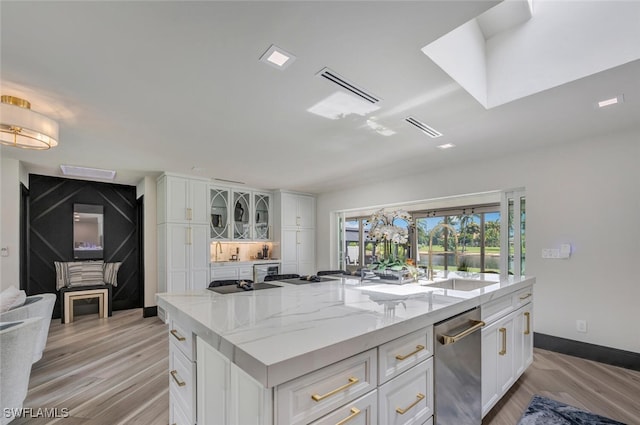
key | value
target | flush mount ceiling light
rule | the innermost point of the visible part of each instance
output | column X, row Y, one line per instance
column 277, row 57
column 610, row 102
column 23, row 128
column 446, row 146
column 94, row 173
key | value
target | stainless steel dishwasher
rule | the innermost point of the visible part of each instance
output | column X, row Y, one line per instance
column 457, row 370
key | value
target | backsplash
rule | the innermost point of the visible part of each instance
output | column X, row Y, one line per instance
column 245, row 251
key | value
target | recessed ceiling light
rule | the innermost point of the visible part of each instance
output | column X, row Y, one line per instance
column 94, row 173
column 447, row 146
column 612, row 101
column 277, row 57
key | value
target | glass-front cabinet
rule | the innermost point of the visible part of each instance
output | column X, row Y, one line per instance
column 220, row 222
column 262, row 226
column 241, row 215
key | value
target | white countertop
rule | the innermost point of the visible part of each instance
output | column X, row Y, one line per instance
column 279, row 334
column 242, row 263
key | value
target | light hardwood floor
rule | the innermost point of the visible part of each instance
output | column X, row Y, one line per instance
column 114, row 371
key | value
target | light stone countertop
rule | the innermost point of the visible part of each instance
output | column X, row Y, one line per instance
column 279, row 334
column 243, row 262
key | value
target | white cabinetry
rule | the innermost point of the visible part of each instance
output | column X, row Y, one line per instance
column 183, row 233
column 232, row 272
column 295, row 230
column 507, row 344
column 226, row 395
column 241, row 215
column 182, row 376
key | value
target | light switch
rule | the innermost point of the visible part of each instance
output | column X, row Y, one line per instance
column 4, row 251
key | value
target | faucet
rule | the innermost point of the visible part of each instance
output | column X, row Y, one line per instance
column 455, row 249
column 218, row 249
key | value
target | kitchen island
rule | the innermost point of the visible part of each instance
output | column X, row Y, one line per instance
column 263, row 345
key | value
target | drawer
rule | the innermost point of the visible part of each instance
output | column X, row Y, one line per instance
column 522, row 297
column 363, row 411
column 224, row 272
column 493, row 310
column 182, row 379
column 311, row 396
column 407, row 398
column 245, row 273
column 403, row 353
column 177, row 414
column 182, row 337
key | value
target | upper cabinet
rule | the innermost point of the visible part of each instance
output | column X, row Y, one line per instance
column 241, row 215
column 298, row 211
column 182, row 200
column 262, row 216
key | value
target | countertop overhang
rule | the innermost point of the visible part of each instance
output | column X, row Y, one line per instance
column 278, row 334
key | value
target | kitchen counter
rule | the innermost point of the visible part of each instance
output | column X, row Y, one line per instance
column 282, row 333
column 243, row 262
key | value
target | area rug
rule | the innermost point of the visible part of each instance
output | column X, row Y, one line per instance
column 544, row 411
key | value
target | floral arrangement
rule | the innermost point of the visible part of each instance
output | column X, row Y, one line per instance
column 384, row 230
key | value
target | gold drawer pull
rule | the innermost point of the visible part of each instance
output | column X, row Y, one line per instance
column 318, row 397
column 419, row 398
column 524, row 297
column 177, row 335
column 418, row 349
column 528, row 316
column 475, row 325
column 503, row 331
column 354, row 412
column 174, row 375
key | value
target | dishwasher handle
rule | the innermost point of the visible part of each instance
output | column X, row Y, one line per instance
column 452, row 339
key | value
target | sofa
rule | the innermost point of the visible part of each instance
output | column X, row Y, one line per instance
column 17, row 348
column 40, row 305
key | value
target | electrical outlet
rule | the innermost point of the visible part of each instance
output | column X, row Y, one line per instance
column 550, row 253
column 581, row 326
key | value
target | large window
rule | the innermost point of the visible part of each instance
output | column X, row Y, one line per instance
column 477, row 229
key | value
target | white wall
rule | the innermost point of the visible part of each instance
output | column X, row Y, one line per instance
column 585, row 194
column 147, row 187
column 10, row 171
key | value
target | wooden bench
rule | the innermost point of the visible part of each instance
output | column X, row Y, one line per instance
column 69, row 295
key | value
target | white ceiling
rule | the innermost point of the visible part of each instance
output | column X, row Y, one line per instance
column 144, row 87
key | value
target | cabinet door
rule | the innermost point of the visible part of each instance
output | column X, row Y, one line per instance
column 262, row 216
column 289, row 254
column 241, row 216
column 306, row 211
column 523, row 340
column 178, row 258
column 497, row 360
column 220, row 221
column 199, row 256
column 306, row 251
column 213, row 376
column 199, row 201
column 289, row 205
column 177, row 199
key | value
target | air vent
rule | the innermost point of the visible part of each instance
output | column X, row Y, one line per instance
column 423, row 127
column 337, row 79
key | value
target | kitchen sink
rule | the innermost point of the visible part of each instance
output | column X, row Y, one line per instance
column 458, row 284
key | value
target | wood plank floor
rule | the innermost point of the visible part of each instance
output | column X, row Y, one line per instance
column 114, row 371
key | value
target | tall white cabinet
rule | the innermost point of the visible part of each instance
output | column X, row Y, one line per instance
column 295, row 227
column 183, row 233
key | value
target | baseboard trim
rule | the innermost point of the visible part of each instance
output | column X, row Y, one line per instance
column 598, row 353
column 150, row 311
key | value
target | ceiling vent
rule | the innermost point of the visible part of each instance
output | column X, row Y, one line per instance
column 337, row 79
column 423, row 127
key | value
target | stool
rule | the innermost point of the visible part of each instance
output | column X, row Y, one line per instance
column 69, row 295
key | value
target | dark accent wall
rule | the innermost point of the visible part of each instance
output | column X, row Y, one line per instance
column 51, row 202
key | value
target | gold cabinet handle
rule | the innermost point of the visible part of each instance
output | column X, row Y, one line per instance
column 503, row 331
column 417, row 350
column 524, row 297
column 354, row 412
column 174, row 375
column 189, row 214
column 352, row 381
column 476, row 324
column 419, row 397
column 177, row 335
column 528, row 316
